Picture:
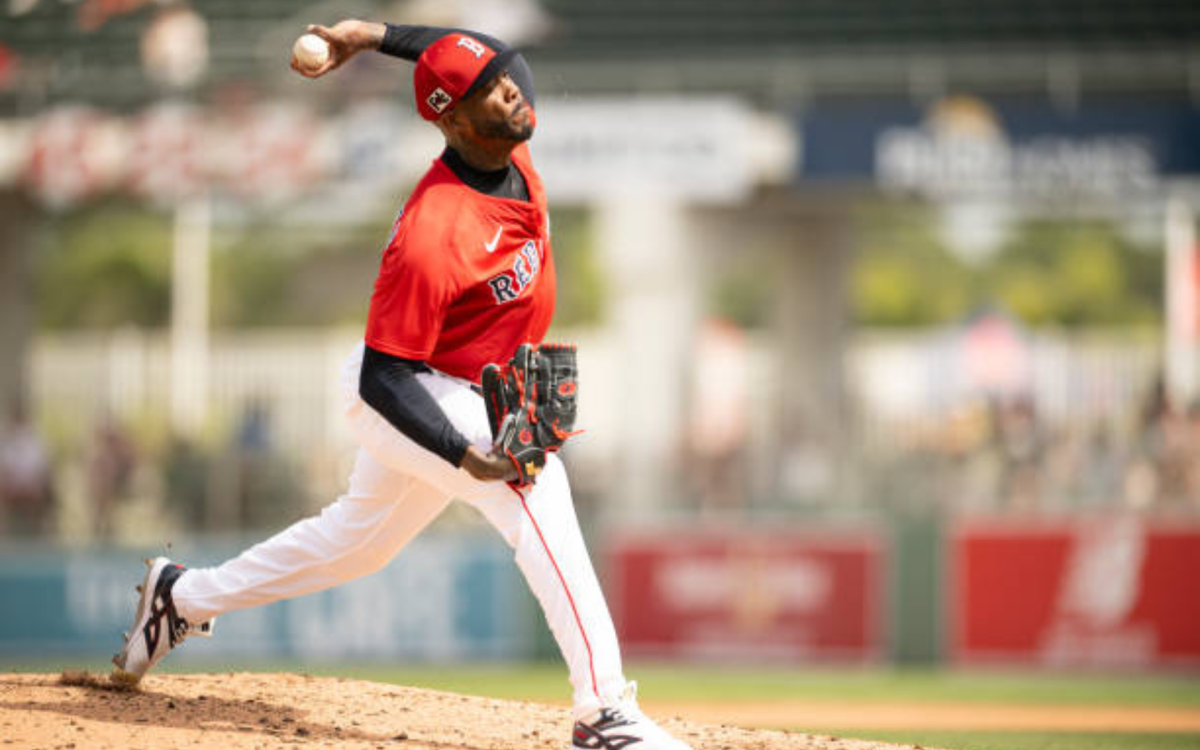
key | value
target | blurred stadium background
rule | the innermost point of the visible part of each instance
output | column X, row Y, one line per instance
column 888, row 313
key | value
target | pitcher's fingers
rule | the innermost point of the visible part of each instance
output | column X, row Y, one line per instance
column 326, row 66
column 321, row 31
column 294, row 65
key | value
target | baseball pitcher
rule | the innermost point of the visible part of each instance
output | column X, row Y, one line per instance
column 451, row 394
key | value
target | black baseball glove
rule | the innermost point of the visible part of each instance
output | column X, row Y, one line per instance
column 531, row 403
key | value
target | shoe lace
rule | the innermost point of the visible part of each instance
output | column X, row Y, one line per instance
column 628, row 693
column 623, row 711
column 180, row 629
column 627, row 705
column 184, row 629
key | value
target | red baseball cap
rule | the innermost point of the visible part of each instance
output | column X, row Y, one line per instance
column 453, row 68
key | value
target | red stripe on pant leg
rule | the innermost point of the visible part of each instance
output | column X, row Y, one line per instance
column 563, row 581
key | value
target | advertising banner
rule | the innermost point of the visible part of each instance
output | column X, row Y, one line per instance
column 586, row 149
column 278, row 151
column 749, row 594
column 1108, row 592
column 453, row 597
column 965, row 145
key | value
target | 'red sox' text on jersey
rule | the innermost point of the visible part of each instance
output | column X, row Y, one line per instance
column 466, row 277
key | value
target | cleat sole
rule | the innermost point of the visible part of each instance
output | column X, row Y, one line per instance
column 124, row 679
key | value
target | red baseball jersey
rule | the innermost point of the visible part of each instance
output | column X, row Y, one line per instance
column 466, row 278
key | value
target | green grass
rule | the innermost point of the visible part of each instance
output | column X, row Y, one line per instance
column 1026, row 740
column 667, row 682
column 548, row 682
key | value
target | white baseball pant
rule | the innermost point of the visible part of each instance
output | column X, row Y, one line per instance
column 396, row 489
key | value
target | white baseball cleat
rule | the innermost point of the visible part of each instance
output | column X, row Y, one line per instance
column 157, row 627
column 622, row 726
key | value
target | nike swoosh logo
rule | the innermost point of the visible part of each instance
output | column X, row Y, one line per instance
column 491, row 246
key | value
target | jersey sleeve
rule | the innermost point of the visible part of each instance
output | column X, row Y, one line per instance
column 410, row 300
column 408, row 42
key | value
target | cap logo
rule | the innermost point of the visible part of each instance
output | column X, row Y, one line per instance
column 473, row 46
column 447, row 70
column 438, row 100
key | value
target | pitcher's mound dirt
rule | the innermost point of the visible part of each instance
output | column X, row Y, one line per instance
column 297, row 712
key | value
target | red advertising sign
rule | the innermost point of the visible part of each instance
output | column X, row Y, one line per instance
column 749, row 594
column 1115, row 591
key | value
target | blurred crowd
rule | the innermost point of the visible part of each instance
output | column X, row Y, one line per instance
column 96, row 489
column 26, row 485
column 998, row 456
column 1003, row 456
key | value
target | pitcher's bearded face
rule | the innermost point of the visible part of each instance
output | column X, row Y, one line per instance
column 498, row 110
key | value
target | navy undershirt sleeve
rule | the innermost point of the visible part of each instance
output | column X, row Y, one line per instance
column 389, row 385
column 408, row 42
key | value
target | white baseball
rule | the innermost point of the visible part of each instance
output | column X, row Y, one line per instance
column 311, row 51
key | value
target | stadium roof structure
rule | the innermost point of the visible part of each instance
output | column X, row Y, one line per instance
column 775, row 51
column 784, row 50
column 666, row 27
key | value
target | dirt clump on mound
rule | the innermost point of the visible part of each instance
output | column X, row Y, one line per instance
column 241, row 711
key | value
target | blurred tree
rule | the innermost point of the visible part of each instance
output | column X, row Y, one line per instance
column 18, row 220
column 249, row 280
column 267, row 275
column 335, row 282
column 745, row 290
column 110, row 265
column 105, row 266
column 903, row 274
column 582, row 286
column 1075, row 274
column 1067, row 273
